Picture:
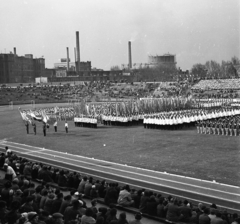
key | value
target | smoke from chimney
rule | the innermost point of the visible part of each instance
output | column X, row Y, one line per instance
column 77, row 52
column 129, row 55
column 67, row 59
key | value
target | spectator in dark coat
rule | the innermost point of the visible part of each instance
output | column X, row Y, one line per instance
column 71, row 212
column 152, row 206
column 137, row 198
column 43, row 199
column 3, row 211
column 82, row 185
column 62, row 179
column 111, row 195
column 56, row 205
column 88, row 187
column 173, row 211
column 49, row 202
column 2, row 160
column 204, row 218
column 65, row 203
column 93, row 192
column 112, row 216
column 45, row 175
column 13, row 215
column 28, row 205
column 186, row 212
column 101, row 189
column 143, row 204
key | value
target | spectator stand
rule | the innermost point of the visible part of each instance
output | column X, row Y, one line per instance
column 149, row 214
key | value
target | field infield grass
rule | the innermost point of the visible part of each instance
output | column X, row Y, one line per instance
column 182, row 152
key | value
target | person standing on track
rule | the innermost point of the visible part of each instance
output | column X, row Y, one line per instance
column 34, row 128
column 55, row 126
column 44, row 129
column 27, row 127
column 66, row 126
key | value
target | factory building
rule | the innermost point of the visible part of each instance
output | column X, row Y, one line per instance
column 20, row 69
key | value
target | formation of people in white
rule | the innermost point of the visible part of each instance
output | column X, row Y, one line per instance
column 122, row 120
column 187, row 116
column 85, row 122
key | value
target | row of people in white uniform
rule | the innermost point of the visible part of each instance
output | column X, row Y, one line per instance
column 127, row 120
column 179, row 119
column 90, row 122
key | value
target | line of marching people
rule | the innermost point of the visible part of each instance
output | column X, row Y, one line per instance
column 127, row 120
column 228, row 126
column 89, row 122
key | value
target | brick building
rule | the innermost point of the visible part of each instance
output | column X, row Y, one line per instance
column 20, row 69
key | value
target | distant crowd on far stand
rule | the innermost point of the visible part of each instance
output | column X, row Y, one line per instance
column 24, row 201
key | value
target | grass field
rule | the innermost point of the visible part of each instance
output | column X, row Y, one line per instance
column 182, row 152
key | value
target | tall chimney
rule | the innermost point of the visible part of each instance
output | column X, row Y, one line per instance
column 78, row 52
column 129, row 55
column 14, row 50
column 75, row 58
column 67, row 60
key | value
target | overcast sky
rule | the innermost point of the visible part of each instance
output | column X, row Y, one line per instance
column 194, row 30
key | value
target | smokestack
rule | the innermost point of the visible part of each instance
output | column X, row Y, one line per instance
column 67, row 60
column 75, row 58
column 78, row 52
column 129, row 55
column 14, row 50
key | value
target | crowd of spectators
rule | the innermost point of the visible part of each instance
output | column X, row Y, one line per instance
column 217, row 88
column 24, row 201
column 96, row 90
column 218, row 84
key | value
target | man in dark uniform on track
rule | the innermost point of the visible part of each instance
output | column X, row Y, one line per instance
column 44, row 129
column 27, row 127
column 34, row 128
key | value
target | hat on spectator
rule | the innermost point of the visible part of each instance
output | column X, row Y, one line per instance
column 26, row 182
column 57, row 215
column 32, row 215
column 25, row 215
column 138, row 216
column 15, row 181
column 18, row 192
column 51, row 196
column 93, row 186
column 80, row 202
column 29, row 198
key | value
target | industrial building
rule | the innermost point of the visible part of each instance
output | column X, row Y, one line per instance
column 20, row 69
column 166, row 59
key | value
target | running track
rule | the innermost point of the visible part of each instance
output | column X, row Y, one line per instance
column 195, row 190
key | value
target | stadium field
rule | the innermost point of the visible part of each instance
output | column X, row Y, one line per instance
column 183, row 152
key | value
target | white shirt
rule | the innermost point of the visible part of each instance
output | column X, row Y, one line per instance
column 10, row 171
column 66, row 125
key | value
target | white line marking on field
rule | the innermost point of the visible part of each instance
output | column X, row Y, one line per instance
column 172, row 181
column 30, row 151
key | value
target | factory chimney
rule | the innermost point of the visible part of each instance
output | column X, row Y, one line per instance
column 77, row 53
column 15, row 52
column 129, row 55
column 75, row 59
column 67, row 59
